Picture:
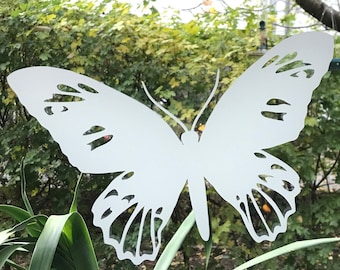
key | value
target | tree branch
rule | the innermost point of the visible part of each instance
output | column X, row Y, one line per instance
column 322, row 12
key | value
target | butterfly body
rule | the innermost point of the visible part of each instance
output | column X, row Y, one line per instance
column 101, row 130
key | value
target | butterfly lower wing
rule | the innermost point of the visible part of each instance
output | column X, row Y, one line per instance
column 100, row 129
column 262, row 188
column 265, row 107
column 132, row 217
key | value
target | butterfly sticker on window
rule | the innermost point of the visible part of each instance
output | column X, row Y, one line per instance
column 102, row 130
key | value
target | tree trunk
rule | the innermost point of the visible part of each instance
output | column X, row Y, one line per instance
column 322, row 12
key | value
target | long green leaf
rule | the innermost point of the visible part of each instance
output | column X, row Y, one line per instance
column 80, row 244
column 7, row 251
column 23, row 189
column 4, row 235
column 14, row 212
column 26, row 224
column 171, row 249
column 14, row 265
column 73, row 207
column 285, row 249
column 46, row 246
column 207, row 250
column 63, row 258
column 34, row 227
column 71, row 231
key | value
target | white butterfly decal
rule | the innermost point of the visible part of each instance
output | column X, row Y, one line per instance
column 102, row 130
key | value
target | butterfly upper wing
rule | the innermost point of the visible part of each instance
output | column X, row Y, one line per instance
column 81, row 113
column 265, row 107
column 101, row 131
column 244, row 105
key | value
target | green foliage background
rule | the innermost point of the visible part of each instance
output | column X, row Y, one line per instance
column 178, row 61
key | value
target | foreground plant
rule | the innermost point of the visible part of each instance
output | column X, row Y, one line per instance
column 55, row 242
column 171, row 249
column 63, row 241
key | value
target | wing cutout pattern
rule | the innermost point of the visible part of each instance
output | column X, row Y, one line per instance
column 276, row 187
column 102, row 130
column 85, row 117
column 278, row 88
column 139, row 238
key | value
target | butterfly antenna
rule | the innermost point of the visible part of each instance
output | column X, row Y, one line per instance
column 207, row 101
column 163, row 109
